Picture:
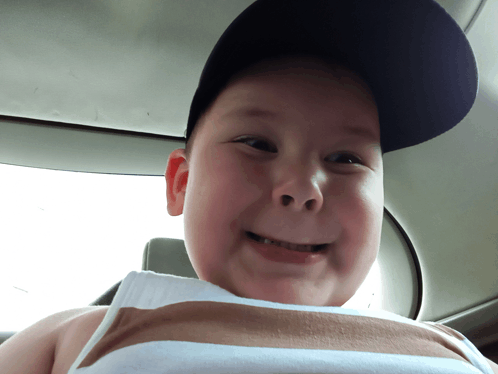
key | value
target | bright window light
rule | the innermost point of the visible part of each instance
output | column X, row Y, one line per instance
column 68, row 236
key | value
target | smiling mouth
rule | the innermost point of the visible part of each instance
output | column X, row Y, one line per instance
column 290, row 246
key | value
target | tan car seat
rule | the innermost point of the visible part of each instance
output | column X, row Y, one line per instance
column 161, row 255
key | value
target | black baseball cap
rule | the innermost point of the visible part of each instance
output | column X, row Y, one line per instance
column 413, row 55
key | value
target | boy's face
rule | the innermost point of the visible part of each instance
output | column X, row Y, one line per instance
column 271, row 157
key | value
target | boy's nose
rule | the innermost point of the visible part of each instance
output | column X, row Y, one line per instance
column 299, row 193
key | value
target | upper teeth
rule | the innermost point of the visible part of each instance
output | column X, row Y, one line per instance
column 294, row 247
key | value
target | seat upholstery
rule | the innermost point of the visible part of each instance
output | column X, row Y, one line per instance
column 167, row 256
column 161, row 255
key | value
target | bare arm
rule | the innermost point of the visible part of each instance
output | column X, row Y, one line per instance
column 33, row 350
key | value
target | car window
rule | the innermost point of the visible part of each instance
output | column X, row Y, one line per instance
column 67, row 237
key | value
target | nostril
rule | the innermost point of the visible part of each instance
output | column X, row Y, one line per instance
column 286, row 199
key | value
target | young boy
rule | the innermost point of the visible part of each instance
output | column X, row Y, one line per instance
column 281, row 187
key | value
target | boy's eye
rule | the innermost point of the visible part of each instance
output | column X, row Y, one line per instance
column 257, row 143
column 346, row 157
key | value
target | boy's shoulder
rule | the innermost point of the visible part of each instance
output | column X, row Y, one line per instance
column 74, row 335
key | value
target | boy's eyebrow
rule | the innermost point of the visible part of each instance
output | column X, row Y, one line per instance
column 252, row 112
column 256, row 112
column 361, row 132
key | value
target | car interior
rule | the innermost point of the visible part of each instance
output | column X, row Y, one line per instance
column 96, row 88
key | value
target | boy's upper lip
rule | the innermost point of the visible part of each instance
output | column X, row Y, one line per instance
column 288, row 241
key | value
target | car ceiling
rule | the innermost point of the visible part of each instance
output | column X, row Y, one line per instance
column 105, row 86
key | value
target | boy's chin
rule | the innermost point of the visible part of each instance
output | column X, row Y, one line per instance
column 288, row 294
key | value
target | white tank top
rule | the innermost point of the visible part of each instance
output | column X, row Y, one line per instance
column 168, row 324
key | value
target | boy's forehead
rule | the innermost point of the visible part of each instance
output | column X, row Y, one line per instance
column 228, row 101
column 324, row 73
column 297, row 67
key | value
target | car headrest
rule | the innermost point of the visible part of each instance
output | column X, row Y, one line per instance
column 167, row 256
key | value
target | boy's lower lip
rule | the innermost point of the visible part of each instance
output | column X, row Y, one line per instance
column 279, row 254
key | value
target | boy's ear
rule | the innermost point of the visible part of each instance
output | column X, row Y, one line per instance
column 176, row 181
